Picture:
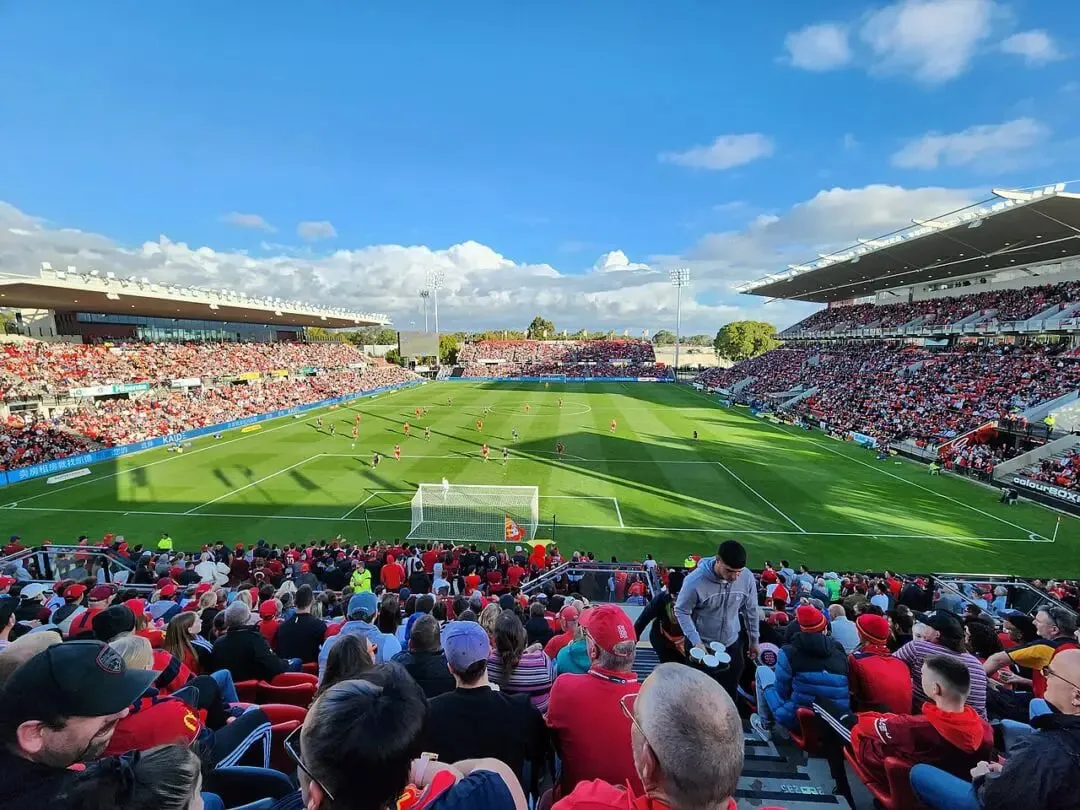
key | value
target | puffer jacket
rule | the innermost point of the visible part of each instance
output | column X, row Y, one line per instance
column 1044, row 771
column 813, row 667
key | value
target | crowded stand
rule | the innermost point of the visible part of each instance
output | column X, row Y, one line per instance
column 894, row 391
column 533, row 358
column 998, row 305
column 328, row 674
column 26, row 440
column 1062, row 470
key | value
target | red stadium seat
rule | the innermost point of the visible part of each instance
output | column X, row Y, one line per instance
column 283, row 712
column 311, row 667
column 807, row 736
column 300, row 694
column 247, row 691
column 897, row 793
column 293, row 678
column 279, row 757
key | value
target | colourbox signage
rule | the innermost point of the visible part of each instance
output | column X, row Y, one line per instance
column 1066, row 495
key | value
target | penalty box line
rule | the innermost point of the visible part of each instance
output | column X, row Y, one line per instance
column 694, row 529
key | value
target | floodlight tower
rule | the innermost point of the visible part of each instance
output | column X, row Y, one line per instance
column 424, row 295
column 435, row 281
column 680, row 277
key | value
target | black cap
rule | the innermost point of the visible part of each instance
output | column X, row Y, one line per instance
column 73, row 679
column 113, row 621
column 946, row 623
column 732, row 554
column 7, row 609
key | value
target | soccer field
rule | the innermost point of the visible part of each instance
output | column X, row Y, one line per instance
column 648, row 487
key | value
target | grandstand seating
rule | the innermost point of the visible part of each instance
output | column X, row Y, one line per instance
column 894, row 391
column 1062, row 469
column 533, row 358
column 998, row 306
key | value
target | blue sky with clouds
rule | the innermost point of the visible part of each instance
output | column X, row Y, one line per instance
column 554, row 157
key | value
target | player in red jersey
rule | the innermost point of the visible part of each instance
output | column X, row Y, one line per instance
column 417, row 412
column 358, row 417
column 480, row 425
column 485, row 451
column 613, row 425
column 406, row 428
column 397, row 452
column 559, row 449
column 355, row 431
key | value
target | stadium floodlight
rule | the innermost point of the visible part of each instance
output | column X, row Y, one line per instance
column 475, row 513
column 435, row 280
column 680, row 277
column 424, row 295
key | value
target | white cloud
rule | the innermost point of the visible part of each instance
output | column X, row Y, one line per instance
column 616, row 261
column 312, row 230
column 819, row 47
column 932, row 40
column 484, row 289
column 251, row 221
column 725, row 152
column 987, row 146
column 1036, row 47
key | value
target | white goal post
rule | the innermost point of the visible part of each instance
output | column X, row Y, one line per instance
column 474, row 513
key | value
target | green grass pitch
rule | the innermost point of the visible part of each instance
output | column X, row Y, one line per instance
column 648, row 487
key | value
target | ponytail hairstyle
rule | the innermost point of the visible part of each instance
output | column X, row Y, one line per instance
column 167, row 777
column 509, row 643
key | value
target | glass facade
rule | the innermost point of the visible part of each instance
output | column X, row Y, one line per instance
column 161, row 330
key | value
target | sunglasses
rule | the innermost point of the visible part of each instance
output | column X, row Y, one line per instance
column 292, row 748
column 627, row 703
column 1047, row 672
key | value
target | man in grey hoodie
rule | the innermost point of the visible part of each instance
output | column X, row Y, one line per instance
column 718, row 599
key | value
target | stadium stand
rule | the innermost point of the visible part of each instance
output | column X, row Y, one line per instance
column 535, row 358
column 177, row 644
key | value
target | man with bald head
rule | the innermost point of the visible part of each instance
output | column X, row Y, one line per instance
column 687, row 741
column 1041, row 774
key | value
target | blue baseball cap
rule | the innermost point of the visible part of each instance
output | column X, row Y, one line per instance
column 365, row 603
column 465, row 643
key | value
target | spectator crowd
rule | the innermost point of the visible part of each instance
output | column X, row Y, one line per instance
column 533, row 358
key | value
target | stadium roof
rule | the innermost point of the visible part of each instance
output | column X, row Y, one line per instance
column 93, row 292
column 1012, row 229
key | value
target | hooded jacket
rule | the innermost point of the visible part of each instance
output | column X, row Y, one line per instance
column 713, row 609
column 1043, row 773
column 953, row 741
column 386, row 645
column 574, row 657
column 812, row 668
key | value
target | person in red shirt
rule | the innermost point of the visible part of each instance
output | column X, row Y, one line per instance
column 514, row 574
column 97, row 600
column 143, row 625
column 948, row 733
column 269, row 613
column 495, row 581
column 874, row 676
column 430, row 557
column 568, row 622
column 472, row 582
column 392, row 575
column 686, row 744
column 537, row 557
column 584, row 711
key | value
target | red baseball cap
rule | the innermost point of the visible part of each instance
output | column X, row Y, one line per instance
column 168, row 589
column 75, row 591
column 203, row 587
column 608, row 625
column 137, row 606
column 99, row 593
column 304, row 568
column 268, row 609
column 7, row 582
column 570, row 613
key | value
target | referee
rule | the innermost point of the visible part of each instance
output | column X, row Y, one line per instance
column 717, row 601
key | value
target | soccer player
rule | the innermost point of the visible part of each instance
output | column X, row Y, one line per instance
column 480, row 425
column 427, row 434
column 485, row 451
column 445, row 487
column 358, row 417
column 613, row 426
column 506, row 455
column 355, row 431
column 397, row 452
column 528, row 408
column 449, row 402
column 406, row 429
column 695, row 435
column 318, row 421
column 375, row 461
column 560, row 402
column 559, row 449
column 333, row 428
column 417, row 412
column 514, row 434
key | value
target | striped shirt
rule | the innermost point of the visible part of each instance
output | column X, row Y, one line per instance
column 915, row 652
column 533, row 676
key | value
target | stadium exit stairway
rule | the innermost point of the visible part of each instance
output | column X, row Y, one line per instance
column 772, row 776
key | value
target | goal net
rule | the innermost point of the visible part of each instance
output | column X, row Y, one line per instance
column 474, row 513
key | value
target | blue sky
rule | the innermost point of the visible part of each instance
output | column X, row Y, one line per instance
column 301, row 147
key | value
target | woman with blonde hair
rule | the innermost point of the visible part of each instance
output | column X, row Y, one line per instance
column 488, row 617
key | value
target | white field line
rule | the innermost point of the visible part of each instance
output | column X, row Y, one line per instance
column 567, row 457
column 900, row 478
column 565, row 525
column 253, row 483
column 768, row 503
column 618, row 512
column 368, row 498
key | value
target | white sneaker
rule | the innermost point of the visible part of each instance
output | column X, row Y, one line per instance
column 760, row 727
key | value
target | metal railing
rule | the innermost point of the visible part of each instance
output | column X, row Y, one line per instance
column 590, row 579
